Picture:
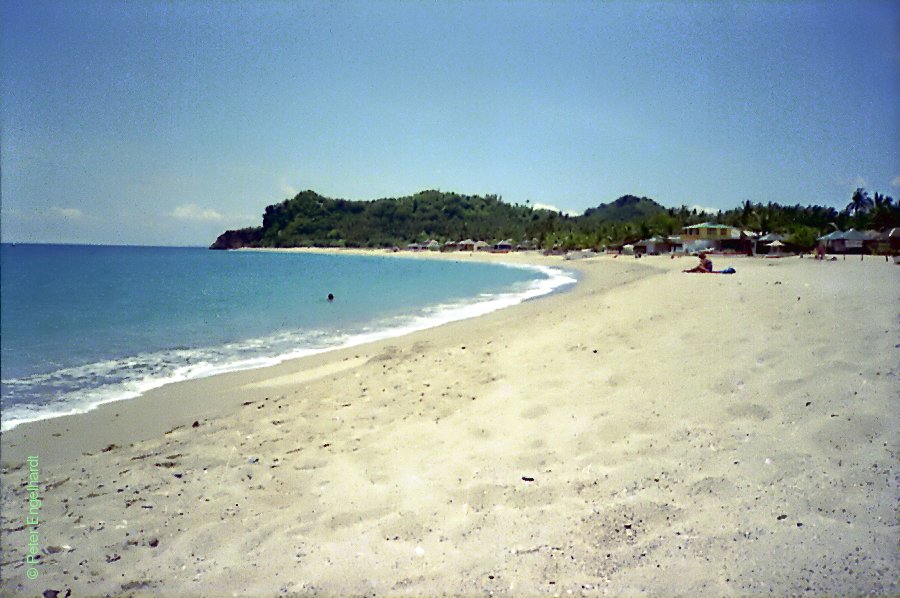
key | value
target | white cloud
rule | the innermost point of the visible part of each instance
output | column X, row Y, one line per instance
column 66, row 212
column 706, row 209
column 853, row 183
column 552, row 208
column 287, row 188
column 895, row 182
column 192, row 211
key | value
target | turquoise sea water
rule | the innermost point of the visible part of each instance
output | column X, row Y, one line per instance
column 85, row 325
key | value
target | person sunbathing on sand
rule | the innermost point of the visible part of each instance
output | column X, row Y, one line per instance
column 705, row 266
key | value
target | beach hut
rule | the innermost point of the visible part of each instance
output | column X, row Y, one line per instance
column 775, row 248
column 828, row 240
column 647, row 246
column 481, row 246
column 850, row 241
column 674, row 244
column 467, row 245
column 503, row 246
column 877, row 242
column 432, row 245
column 762, row 243
column 771, row 237
column 657, row 245
column 527, row 245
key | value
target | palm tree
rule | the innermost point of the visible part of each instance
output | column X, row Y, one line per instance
column 747, row 212
column 884, row 214
column 860, row 202
column 765, row 218
column 882, row 202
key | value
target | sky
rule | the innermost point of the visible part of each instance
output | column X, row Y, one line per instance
column 165, row 123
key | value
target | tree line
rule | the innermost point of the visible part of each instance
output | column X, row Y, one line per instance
column 311, row 220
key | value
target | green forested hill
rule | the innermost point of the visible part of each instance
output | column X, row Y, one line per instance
column 624, row 209
column 309, row 219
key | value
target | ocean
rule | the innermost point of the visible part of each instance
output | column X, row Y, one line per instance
column 87, row 325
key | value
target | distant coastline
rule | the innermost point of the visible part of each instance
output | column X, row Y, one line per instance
column 438, row 219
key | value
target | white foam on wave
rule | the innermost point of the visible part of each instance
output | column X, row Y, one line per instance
column 167, row 367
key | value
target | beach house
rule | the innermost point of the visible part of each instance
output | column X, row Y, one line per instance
column 657, row 245
column 709, row 231
column 878, row 242
column 850, row 241
column 504, row 246
column 707, row 235
column 763, row 243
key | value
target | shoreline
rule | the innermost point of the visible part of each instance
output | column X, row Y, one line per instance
column 472, row 308
column 177, row 414
column 645, row 432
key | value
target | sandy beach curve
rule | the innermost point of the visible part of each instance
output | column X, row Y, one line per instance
column 647, row 431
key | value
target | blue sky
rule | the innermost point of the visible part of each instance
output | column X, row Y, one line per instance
column 167, row 122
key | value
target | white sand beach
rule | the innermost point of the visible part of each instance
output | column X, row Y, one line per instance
column 645, row 432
